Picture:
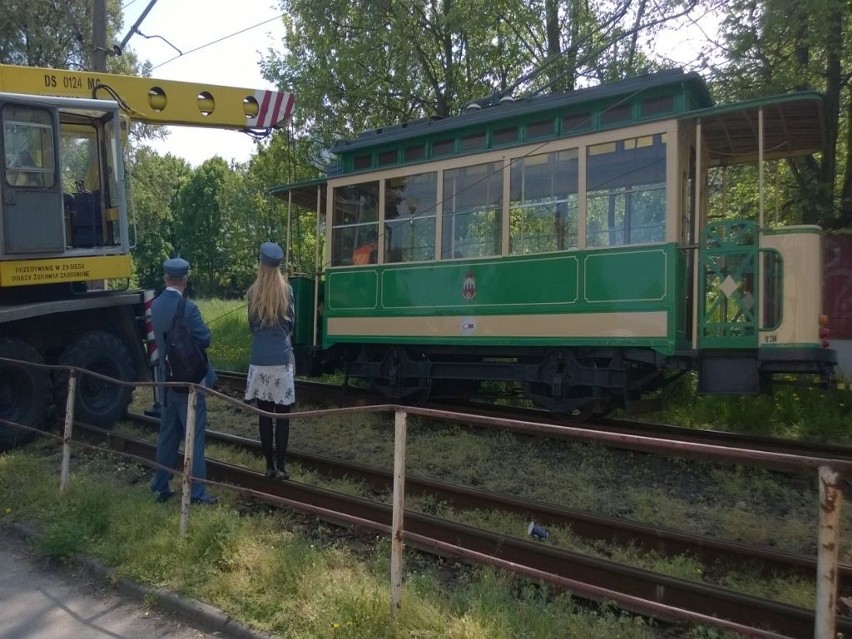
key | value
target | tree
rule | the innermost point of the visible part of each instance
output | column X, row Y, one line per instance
column 776, row 46
column 364, row 64
column 51, row 33
column 199, row 224
column 155, row 181
column 285, row 160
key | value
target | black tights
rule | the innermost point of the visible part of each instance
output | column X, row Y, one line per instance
column 274, row 454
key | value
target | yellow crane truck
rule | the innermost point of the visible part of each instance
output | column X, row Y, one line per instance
column 65, row 235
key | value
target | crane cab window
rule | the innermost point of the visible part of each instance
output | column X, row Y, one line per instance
column 28, row 147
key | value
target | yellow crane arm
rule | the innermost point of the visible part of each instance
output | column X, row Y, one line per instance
column 158, row 101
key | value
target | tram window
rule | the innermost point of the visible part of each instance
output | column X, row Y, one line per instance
column 540, row 129
column 772, row 290
column 443, row 147
column 28, row 147
column 543, row 205
column 616, row 113
column 410, row 205
column 626, row 192
column 576, row 122
column 476, row 141
column 388, row 157
column 505, row 136
column 355, row 221
column 657, row 106
column 362, row 162
column 413, row 153
column 472, row 211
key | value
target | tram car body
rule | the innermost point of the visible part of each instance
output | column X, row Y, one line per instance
column 562, row 243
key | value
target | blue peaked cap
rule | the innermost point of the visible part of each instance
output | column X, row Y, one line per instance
column 176, row 267
column 271, row 254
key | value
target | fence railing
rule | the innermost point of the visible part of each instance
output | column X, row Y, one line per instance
column 830, row 473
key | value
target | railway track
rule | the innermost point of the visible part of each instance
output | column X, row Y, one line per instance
column 665, row 591
column 329, row 393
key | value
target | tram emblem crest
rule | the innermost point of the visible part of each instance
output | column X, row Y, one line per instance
column 469, row 286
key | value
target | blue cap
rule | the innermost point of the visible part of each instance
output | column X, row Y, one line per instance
column 271, row 254
column 176, row 267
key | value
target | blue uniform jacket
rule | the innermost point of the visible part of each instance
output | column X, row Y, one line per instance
column 163, row 312
column 270, row 345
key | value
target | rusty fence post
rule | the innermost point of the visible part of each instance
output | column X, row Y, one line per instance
column 67, row 433
column 400, row 427
column 830, row 505
column 188, row 445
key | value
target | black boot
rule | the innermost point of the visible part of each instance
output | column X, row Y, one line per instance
column 265, row 427
column 282, row 439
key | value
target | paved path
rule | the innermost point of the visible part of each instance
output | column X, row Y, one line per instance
column 47, row 601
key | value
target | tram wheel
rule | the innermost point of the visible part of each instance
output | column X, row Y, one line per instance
column 24, row 391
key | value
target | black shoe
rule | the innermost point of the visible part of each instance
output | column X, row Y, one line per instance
column 164, row 496
column 270, row 473
column 207, row 500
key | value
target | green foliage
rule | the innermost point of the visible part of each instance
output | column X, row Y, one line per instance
column 155, row 182
column 463, row 51
column 46, row 33
column 777, row 46
column 801, row 411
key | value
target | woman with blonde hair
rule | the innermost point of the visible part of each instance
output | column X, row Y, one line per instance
column 271, row 372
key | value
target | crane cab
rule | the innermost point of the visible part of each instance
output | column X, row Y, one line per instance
column 62, row 193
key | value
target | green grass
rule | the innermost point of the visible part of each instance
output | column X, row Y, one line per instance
column 726, row 501
column 273, row 569
column 276, row 572
column 231, row 341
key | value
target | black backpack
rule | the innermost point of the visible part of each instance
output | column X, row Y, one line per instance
column 185, row 360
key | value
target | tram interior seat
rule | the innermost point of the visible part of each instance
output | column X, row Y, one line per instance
column 86, row 220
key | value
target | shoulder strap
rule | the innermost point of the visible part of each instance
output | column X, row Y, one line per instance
column 179, row 311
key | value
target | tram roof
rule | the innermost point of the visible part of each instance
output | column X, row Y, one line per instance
column 304, row 194
column 486, row 111
column 793, row 124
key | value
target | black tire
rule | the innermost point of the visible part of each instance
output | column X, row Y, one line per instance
column 24, row 392
column 99, row 402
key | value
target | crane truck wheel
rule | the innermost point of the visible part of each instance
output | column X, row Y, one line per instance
column 99, row 402
column 24, row 392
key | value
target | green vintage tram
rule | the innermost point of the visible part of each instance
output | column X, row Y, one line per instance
column 562, row 244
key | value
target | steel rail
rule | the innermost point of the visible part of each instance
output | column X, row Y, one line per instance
column 319, row 391
column 654, row 589
column 665, row 541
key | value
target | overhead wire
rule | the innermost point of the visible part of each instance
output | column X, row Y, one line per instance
column 217, row 41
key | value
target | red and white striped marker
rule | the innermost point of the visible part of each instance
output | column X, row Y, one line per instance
column 150, row 339
column 274, row 109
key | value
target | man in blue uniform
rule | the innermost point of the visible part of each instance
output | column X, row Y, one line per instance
column 173, row 417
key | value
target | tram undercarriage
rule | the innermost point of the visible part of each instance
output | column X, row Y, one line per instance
column 573, row 382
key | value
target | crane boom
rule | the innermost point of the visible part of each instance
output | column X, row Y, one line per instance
column 154, row 101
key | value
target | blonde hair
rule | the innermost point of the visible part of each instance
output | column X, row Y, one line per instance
column 268, row 296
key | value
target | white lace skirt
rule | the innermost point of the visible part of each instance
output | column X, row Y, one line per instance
column 271, row 384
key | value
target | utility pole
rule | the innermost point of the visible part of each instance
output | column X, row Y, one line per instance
column 99, row 36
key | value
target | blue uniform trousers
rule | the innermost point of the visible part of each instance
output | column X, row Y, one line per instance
column 172, row 433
